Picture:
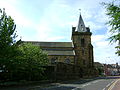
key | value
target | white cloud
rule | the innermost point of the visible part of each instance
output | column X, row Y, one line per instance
column 103, row 49
column 101, row 54
column 96, row 38
column 44, row 32
column 12, row 10
column 102, row 44
column 22, row 22
column 56, row 38
column 94, row 26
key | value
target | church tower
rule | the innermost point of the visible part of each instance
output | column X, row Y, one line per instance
column 81, row 38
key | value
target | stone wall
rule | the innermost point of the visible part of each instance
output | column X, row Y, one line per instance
column 67, row 71
column 63, row 71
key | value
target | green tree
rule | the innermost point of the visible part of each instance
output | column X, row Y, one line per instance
column 8, row 44
column 7, row 34
column 32, row 60
column 113, row 11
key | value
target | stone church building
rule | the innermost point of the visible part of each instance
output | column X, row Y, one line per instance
column 78, row 52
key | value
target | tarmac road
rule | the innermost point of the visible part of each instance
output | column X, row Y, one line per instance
column 115, row 85
column 110, row 83
column 101, row 84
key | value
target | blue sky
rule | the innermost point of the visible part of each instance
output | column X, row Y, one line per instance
column 52, row 20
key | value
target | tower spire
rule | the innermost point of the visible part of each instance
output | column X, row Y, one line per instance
column 81, row 26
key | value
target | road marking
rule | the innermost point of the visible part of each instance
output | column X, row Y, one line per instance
column 86, row 84
column 95, row 81
column 103, row 88
column 77, row 88
column 108, row 85
column 113, row 84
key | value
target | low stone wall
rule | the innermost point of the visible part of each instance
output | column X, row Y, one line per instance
column 63, row 71
column 67, row 71
column 49, row 72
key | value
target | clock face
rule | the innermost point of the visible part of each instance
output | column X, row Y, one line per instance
column 82, row 29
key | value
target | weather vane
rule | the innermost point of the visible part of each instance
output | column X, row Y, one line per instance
column 80, row 11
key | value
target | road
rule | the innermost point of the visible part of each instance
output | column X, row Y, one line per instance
column 115, row 85
column 98, row 84
column 101, row 84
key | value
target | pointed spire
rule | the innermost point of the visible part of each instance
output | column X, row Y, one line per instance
column 81, row 26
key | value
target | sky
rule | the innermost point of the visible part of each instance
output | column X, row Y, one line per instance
column 52, row 20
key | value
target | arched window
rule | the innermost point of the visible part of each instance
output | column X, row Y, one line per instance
column 83, row 51
column 84, row 62
column 82, row 42
column 67, row 60
column 53, row 60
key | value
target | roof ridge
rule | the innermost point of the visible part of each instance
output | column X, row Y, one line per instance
column 47, row 42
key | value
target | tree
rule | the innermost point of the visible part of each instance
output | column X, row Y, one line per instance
column 7, row 33
column 8, row 44
column 32, row 60
column 113, row 11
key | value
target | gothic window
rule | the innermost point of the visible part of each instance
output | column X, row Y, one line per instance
column 83, row 52
column 75, row 45
column 84, row 62
column 67, row 60
column 53, row 60
column 82, row 42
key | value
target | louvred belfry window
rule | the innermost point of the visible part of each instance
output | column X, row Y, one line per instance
column 82, row 42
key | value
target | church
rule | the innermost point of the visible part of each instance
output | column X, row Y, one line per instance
column 78, row 52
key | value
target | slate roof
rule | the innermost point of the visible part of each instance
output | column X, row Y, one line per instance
column 55, row 48
column 52, row 44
